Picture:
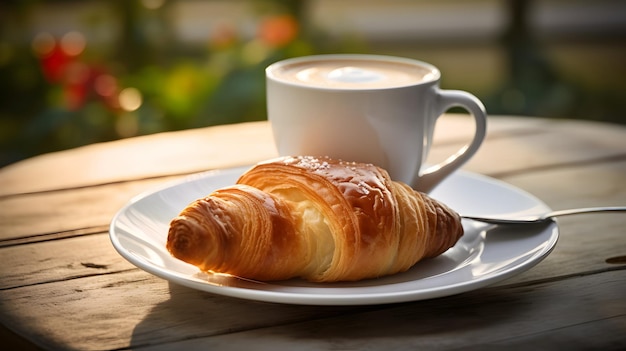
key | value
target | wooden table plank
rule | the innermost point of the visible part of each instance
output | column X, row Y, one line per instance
column 163, row 313
column 67, row 211
column 181, row 152
column 54, row 261
column 190, row 151
column 556, row 144
column 457, row 322
column 117, row 310
column 579, row 185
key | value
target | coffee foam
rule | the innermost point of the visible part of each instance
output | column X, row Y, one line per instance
column 353, row 73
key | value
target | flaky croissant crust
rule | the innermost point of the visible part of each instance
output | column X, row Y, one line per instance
column 313, row 217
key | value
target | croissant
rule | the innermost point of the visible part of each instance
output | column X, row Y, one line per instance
column 320, row 219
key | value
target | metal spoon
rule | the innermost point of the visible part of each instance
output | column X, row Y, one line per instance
column 546, row 216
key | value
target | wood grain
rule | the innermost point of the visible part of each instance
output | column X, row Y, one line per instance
column 487, row 319
column 148, row 156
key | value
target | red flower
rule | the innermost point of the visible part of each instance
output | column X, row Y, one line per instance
column 54, row 64
column 279, row 30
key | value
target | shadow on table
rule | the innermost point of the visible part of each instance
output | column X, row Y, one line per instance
column 191, row 315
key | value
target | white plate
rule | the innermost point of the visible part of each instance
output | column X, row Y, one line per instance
column 483, row 256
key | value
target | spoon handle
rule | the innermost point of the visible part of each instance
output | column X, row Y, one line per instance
column 573, row 211
column 546, row 216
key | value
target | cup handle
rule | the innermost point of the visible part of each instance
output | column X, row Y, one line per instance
column 447, row 99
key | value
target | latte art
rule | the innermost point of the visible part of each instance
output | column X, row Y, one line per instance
column 353, row 74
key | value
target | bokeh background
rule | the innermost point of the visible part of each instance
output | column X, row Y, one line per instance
column 85, row 71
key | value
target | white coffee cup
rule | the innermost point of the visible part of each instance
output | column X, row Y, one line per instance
column 367, row 108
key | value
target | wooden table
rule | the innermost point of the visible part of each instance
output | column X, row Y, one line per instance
column 63, row 285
